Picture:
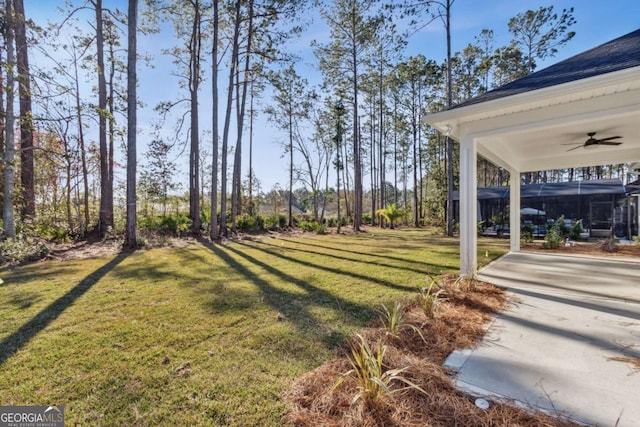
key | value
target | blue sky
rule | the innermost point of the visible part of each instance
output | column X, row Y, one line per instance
column 597, row 22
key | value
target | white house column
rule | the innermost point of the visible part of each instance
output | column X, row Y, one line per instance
column 514, row 210
column 468, row 206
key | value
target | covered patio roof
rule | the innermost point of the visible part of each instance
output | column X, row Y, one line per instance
column 540, row 122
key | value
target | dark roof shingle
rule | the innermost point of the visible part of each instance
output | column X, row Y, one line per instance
column 615, row 55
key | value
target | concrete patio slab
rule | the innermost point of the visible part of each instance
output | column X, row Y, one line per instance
column 561, row 345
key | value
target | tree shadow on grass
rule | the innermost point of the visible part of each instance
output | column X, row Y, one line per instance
column 25, row 273
column 295, row 306
column 437, row 267
column 325, row 268
column 23, row 300
column 40, row 321
column 385, row 256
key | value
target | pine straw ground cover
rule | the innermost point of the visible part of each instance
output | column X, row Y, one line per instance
column 315, row 400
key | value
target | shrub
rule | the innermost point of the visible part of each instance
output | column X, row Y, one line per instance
column 205, row 218
column 429, row 299
column 52, row 233
column 147, row 223
column 250, row 223
column 22, row 248
column 320, row 229
column 305, row 225
column 561, row 226
column 366, row 218
column 177, row 225
column 527, row 233
column 333, row 222
column 394, row 321
column 372, row 379
column 275, row 221
column 168, row 225
column 556, row 232
column 575, row 230
column 553, row 238
column 392, row 213
column 312, row 226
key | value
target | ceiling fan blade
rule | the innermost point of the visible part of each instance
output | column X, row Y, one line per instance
column 608, row 139
column 608, row 143
column 573, row 143
column 575, row 148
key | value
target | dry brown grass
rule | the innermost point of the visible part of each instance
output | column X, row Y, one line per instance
column 460, row 322
column 633, row 361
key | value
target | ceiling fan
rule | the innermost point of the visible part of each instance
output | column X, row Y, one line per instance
column 593, row 142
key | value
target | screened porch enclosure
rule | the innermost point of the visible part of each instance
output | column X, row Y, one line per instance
column 601, row 206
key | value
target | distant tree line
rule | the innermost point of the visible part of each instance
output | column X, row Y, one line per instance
column 354, row 144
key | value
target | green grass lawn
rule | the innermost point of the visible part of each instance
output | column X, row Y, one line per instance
column 191, row 336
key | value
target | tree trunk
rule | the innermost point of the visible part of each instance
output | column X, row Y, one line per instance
column 415, row 166
column 130, row 239
column 213, row 229
column 419, row 158
column 2, row 134
column 346, row 181
column 251, row 117
column 421, row 180
column 9, row 154
column 405, row 173
column 338, row 167
column 67, row 188
column 372, row 165
column 27, row 171
column 290, row 216
column 236, row 155
column 194, row 152
column 83, row 151
column 415, row 99
column 357, row 165
column 395, row 151
column 227, row 121
column 381, row 150
column 106, row 193
column 111, row 123
column 237, row 165
column 326, row 188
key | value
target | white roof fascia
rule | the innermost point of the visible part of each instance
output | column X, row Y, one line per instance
column 497, row 107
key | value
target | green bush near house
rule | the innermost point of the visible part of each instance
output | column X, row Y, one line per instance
column 555, row 234
column 575, row 230
column 527, row 233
